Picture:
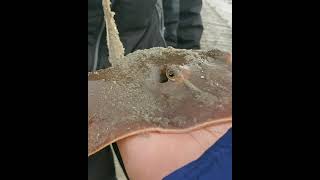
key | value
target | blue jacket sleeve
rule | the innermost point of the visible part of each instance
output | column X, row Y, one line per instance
column 215, row 163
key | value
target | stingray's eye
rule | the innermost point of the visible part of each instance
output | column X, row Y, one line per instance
column 171, row 73
column 167, row 73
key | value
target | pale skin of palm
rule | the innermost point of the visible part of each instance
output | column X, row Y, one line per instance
column 152, row 156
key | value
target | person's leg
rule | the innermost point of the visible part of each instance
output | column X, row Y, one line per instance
column 171, row 21
column 139, row 24
column 190, row 24
column 101, row 165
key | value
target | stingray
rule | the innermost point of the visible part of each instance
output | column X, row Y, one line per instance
column 156, row 90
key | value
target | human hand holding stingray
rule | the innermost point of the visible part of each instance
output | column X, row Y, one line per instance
column 156, row 155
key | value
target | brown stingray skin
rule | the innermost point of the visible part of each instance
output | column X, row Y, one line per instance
column 196, row 93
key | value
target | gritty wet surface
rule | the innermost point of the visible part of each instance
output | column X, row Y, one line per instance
column 198, row 87
column 217, row 22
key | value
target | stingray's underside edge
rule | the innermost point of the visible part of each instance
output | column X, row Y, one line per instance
column 146, row 128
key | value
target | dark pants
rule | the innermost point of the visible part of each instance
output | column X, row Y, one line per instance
column 101, row 165
column 183, row 23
